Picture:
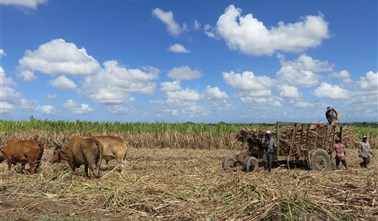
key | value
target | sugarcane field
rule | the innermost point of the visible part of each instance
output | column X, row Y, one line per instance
column 242, row 110
column 178, row 172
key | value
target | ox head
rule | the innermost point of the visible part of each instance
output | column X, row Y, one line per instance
column 58, row 154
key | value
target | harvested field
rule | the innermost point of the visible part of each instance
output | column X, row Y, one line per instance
column 189, row 184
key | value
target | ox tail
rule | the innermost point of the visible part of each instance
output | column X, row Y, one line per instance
column 101, row 152
column 127, row 150
column 40, row 153
column 126, row 146
column 41, row 148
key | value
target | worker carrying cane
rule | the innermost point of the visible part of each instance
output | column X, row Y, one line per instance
column 332, row 115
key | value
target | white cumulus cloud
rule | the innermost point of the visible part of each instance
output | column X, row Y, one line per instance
column 6, row 107
column 248, row 81
column 5, row 81
column 170, row 86
column 47, row 109
column 214, row 93
column 326, row 90
column 303, row 104
column 175, row 94
column 114, row 83
column 364, row 99
column 250, row 36
column 27, row 75
column 2, row 53
column 183, row 95
column 303, row 71
column 210, row 31
column 63, row 82
column 343, row 75
column 179, row 102
column 289, row 91
column 77, row 108
column 168, row 19
column 24, row 3
column 184, row 73
column 178, row 48
column 57, row 57
column 251, row 88
column 8, row 96
column 369, row 83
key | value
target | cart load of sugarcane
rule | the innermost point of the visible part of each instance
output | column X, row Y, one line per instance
column 296, row 139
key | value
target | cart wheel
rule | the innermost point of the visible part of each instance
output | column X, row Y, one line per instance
column 320, row 160
column 251, row 164
column 229, row 162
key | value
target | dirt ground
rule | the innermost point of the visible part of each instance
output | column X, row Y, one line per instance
column 187, row 184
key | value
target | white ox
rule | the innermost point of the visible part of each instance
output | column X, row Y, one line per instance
column 114, row 148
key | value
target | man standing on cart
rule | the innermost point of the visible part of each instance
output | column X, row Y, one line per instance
column 269, row 144
column 332, row 115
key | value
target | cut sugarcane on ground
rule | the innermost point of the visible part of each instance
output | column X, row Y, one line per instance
column 189, row 184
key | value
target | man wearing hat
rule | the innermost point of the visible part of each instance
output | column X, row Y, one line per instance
column 331, row 115
column 269, row 144
column 363, row 151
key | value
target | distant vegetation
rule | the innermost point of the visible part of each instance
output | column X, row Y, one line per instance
column 152, row 135
column 360, row 128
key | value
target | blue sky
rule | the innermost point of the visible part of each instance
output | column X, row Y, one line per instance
column 199, row 61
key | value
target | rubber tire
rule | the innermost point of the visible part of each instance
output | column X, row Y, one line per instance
column 251, row 164
column 320, row 160
column 228, row 162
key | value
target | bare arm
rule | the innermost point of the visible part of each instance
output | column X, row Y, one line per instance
column 359, row 150
column 371, row 152
column 332, row 149
column 337, row 114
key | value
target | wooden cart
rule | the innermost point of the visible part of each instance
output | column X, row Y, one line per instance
column 306, row 143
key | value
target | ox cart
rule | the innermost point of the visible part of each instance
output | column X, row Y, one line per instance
column 297, row 143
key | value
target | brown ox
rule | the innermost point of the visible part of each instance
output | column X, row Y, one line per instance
column 114, row 148
column 22, row 151
column 80, row 151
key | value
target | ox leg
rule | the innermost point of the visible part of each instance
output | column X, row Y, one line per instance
column 86, row 170
column 97, row 170
column 122, row 164
column 97, row 165
column 9, row 164
column 71, row 163
column 38, row 164
column 94, row 170
column 22, row 168
column 32, row 168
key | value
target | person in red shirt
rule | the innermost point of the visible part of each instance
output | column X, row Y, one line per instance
column 339, row 148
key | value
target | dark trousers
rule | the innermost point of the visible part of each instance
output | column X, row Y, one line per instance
column 365, row 162
column 342, row 161
column 268, row 161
